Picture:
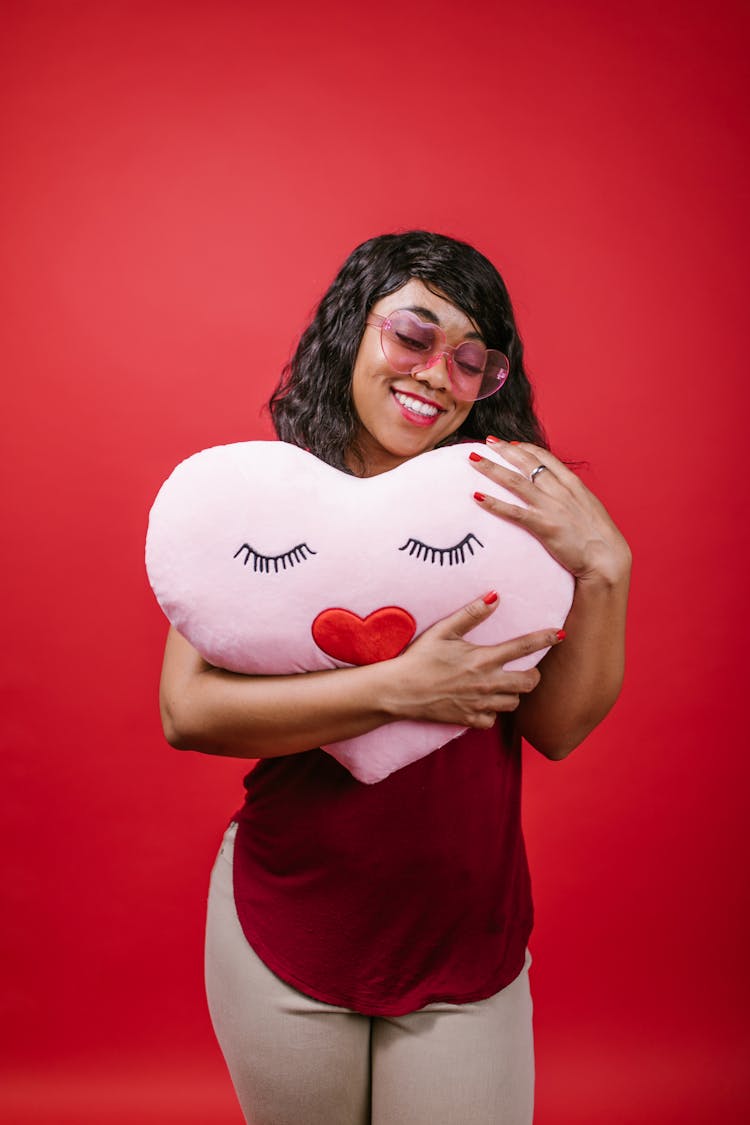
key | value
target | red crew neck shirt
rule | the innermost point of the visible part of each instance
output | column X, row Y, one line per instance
column 383, row 898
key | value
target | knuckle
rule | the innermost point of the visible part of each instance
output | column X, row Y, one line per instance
column 531, row 678
column 486, row 684
column 478, row 668
column 510, row 702
column 469, row 617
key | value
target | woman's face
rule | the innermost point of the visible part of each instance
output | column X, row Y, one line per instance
column 403, row 415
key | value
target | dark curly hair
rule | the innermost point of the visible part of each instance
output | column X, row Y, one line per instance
column 312, row 405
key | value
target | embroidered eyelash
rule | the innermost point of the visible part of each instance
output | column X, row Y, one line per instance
column 454, row 555
column 264, row 563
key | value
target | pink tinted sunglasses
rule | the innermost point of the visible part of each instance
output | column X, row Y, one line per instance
column 410, row 344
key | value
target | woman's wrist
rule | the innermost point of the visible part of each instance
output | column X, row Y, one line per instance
column 610, row 571
column 395, row 694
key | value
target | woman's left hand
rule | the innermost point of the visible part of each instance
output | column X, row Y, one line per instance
column 581, row 678
column 560, row 511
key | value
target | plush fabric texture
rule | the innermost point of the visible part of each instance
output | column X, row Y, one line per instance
column 270, row 562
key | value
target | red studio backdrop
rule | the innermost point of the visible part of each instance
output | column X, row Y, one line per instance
column 181, row 182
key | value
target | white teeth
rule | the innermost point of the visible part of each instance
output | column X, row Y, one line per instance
column 415, row 405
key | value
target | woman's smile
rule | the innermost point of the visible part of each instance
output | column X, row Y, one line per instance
column 415, row 409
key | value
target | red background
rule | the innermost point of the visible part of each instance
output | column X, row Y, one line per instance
column 182, row 181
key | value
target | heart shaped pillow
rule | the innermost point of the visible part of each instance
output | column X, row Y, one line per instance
column 271, row 562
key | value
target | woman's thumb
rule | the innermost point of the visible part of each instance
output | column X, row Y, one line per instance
column 464, row 620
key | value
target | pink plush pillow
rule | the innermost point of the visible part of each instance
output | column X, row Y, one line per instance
column 270, row 561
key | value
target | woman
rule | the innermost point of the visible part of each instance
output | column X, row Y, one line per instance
column 366, row 952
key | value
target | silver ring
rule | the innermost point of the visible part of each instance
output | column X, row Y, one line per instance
column 539, row 469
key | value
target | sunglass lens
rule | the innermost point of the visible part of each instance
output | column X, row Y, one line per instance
column 470, row 360
column 470, row 371
column 478, row 372
column 407, row 340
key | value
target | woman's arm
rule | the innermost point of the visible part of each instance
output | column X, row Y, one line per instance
column 218, row 712
column 580, row 680
column 439, row 678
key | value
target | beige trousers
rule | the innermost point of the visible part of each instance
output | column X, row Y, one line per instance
column 298, row 1061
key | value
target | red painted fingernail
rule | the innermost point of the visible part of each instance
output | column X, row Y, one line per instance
column 561, row 634
column 474, row 457
column 514, row 443
column 490, row 598
column 479, row 496
column 492, row 439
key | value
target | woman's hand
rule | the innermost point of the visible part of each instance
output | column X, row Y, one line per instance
column 560, row 511
column 443, row 678
column 580, row 680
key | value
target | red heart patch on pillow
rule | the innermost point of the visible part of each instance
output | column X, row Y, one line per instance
column 381, row 635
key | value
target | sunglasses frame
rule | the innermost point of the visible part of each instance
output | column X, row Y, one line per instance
column 375, row 320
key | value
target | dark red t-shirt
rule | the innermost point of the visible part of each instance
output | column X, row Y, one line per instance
column 383, row 898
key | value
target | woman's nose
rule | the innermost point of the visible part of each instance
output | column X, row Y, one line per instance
column 436, row 373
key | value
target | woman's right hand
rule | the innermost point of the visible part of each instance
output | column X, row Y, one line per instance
column 444, row 678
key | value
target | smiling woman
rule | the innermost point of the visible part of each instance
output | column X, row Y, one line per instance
column 366, row 949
